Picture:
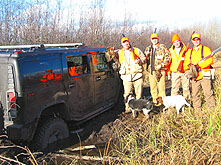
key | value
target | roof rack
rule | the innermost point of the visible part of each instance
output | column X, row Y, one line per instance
column 9, row 47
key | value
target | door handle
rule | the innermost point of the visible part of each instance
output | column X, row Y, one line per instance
column 71, row 85
column 98, row 78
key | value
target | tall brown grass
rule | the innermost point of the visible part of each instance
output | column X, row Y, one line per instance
column 188, row 138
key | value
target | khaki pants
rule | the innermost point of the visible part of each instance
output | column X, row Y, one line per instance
column 177, row 80
column 157, row 88
column 197, row 87
column 129, row 86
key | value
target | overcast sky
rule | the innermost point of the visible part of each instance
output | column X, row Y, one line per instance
column 173, row 13
column 167, row 9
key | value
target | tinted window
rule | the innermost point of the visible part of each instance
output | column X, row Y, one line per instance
column 100, row 63
column 41, row 72
column 77, row 65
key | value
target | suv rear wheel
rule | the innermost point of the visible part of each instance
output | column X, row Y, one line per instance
column 52, row 130
column 1, row 119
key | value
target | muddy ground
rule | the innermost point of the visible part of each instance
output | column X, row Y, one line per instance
column 95, row 133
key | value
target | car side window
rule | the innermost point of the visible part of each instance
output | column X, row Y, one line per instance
column 40, row 72
column 100, row 62
column 77, row 65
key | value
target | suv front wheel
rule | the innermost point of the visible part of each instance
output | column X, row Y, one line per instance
column 52, row 130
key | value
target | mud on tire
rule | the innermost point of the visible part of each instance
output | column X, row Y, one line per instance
column 51, row 130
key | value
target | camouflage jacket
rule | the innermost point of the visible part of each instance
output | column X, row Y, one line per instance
column 162, row 56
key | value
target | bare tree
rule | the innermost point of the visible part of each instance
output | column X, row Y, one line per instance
column 41, row 22
column 10, row 9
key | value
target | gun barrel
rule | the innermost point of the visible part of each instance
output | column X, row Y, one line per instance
column 210, row 55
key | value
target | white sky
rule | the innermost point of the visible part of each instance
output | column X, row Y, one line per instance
column 173, row 13
column 167, row 9
column 170, row 12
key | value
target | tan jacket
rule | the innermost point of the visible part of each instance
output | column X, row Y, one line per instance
column 129, row 70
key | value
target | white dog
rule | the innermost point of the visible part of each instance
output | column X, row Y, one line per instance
column 139, row 105
column 177, row 101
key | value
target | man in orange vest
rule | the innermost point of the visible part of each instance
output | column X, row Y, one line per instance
column 131, row 70
column 178, row 77
column 193, row 56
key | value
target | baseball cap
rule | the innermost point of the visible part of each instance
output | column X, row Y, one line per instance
column 124, row 39
column 196, row 35
column 154, row 35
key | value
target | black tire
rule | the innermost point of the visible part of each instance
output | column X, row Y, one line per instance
column 1, row 119
column 52, row 130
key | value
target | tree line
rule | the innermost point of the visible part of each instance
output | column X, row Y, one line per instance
column 39, row 22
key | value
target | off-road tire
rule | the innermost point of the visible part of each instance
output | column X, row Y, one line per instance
column 50, row 131
column 1, row 119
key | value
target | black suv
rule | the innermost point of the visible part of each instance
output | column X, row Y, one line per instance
column 45, row 87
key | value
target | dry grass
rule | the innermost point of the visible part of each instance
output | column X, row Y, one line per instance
column 189, row 138
column 217, row 60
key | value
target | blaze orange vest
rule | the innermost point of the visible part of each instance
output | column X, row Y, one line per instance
column 121, row 54
column 176, row 59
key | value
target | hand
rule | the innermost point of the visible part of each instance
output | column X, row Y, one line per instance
column 138, row 61
column 169, row 77
column 197, row 67
column 158, row 67
column 147, row 54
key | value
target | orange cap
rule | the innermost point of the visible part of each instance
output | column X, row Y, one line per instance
column 175, row 37
column 196, row 35
column 49, row 70
column 124, row 39
column 154, row 35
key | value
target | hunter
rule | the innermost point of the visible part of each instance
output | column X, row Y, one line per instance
column 131, row 70
column 159, row 62
column 179, row 77
column 203, row 79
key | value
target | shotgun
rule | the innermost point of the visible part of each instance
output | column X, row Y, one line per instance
column 180, row 67
column 210, row 55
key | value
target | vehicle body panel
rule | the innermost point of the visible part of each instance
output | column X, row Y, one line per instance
column 74, row 84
